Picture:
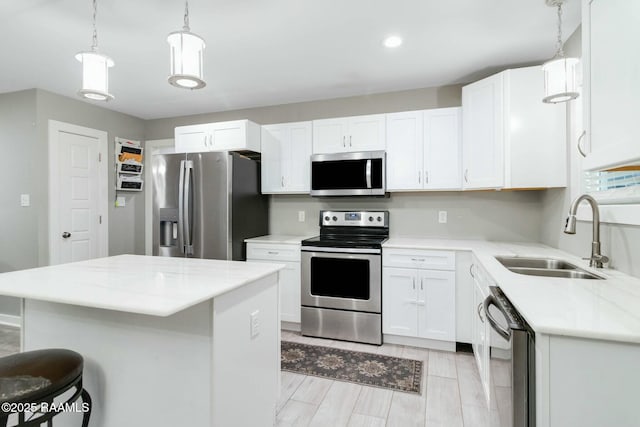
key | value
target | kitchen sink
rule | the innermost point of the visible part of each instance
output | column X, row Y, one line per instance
column 546, row 267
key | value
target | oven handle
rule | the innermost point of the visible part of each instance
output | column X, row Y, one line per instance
column 504, row 333
column 341, row 250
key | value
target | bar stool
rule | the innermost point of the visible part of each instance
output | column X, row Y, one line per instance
column 39, row 377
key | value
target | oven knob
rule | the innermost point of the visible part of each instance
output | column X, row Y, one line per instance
column 379, row 218
column 370, row 218
column 326, row 218
column 335, row 218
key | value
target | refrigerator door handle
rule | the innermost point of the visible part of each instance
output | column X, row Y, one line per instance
column 188, row 245
column 181, row 207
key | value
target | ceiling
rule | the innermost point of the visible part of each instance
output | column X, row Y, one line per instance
column 269, row 52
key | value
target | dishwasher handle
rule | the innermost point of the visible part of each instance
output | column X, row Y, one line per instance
column 504, row 333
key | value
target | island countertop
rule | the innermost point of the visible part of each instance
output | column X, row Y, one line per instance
column 156, row 286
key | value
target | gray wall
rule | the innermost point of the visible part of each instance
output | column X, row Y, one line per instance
column 620, row 242
column 19, row 242
column 24, row 120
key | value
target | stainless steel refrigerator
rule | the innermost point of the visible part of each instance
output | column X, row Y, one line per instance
column 206, row 204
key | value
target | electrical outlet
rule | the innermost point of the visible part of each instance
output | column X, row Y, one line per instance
column 255, row 323
column 300, row 216
column 442, row 217
column 121, row 202
column 25, row 200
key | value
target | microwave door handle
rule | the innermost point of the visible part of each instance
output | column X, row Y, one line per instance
column 181, row 207
column 368, row 173
column 504, row 333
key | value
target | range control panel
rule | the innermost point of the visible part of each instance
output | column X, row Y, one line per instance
column 354, row 218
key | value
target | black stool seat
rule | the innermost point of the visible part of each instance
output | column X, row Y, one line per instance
column 38, row 377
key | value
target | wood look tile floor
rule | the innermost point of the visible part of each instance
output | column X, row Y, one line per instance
column 452, row 394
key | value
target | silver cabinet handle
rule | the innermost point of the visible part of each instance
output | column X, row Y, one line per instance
column 466, row 175
column 480, row 314
column 419, row 178
column 471, row 271
column 418, row 259
column 66, row 235
column 426, row 177
column 344, row 141
column 422, row 284
column 282, row 181
column 273, row 253
column 582, row 135
column 350, row 145
column 414, row 283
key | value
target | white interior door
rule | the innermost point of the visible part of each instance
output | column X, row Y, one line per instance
column 78, row 223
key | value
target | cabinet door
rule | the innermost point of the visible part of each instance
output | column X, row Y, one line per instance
column 442, row 142
column 330, row 136
column 228, row 135
column 437, row 305
column 483, row 134
column 297, row 155
column 192, row 139
column 399, row 298
column 478, row 337
column 274, row 138
column 366, row 133
column 289, row 282
column 404, row 151
column 612, row 86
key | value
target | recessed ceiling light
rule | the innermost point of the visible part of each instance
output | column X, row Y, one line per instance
column 392, row 41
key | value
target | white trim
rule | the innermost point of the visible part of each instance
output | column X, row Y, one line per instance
column 9, row 320
column 155, row 146
column 103, row 184
column 613, row 214
column 419, row 342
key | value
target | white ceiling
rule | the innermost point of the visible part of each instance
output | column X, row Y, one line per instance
column 269, row 52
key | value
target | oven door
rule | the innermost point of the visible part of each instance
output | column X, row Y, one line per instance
column 345, row 280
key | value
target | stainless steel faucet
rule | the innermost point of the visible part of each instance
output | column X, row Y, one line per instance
column 597, row 259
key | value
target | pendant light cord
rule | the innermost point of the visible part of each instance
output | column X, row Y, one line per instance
column 559, row 50
column 186, row 16
column 94, row 46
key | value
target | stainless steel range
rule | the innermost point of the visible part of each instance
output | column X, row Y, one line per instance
column 342, row 276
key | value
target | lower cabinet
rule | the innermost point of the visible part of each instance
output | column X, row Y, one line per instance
column 418, row 302
column 288, row 278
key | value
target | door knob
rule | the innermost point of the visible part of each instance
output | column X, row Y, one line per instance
column 66, row 235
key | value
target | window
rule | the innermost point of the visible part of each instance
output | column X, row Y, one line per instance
column 621, row 186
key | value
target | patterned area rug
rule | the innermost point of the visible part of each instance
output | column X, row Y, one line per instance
column 369, row 369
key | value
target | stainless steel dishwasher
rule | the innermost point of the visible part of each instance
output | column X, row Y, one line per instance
column 520, row 399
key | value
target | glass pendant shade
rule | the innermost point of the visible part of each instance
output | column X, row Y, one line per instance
column 560, row 83
column 95, row 76
column 186, row 49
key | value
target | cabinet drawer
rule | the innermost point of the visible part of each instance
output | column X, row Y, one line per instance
column 271, row 252
column 417, row 258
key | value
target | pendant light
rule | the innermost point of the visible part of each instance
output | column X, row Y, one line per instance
column 95, row 69
column 560, row 83
column 186, row 50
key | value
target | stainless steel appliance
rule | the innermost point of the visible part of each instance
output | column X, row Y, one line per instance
column 517, row 396
column 206, row 204
column 342, row 276
column 348, row 174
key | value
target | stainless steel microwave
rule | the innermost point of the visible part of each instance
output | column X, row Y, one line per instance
column 348, row 174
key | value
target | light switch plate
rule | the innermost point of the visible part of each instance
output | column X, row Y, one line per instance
column 442, row 217
column 255, row 323
column 301, row 216
column 25, row 200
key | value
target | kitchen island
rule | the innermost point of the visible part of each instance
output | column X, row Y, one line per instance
column 166, row 341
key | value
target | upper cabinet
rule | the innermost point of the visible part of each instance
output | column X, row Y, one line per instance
column 611, row 60
column 508, row 133
column 237, row 135
column 286, row 150
column 346, row 134
column 423, row 150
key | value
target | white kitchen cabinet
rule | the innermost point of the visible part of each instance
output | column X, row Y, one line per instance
column 480, row 343
column 286, row 152
column 237, row 135
column 347, row 134
column 288, row 278
column 611, row 90
column 423, row 150
column 417, row 302
column 508, row 133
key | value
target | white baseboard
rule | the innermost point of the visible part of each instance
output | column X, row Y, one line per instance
column 290, row 326
column 419, row 342
column 9, row 320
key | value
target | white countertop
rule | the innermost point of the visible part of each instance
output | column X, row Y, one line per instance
column 157, row 286
column 281, row 239
column 599, row 309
